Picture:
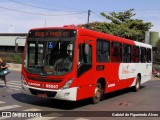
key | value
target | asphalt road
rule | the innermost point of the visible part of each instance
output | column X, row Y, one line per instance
column 146, row 99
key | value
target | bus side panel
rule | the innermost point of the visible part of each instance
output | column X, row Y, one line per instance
column 86, row 81
column 119, row 77
column 145, row 70
column 111, row 76
column 128, row 73
column 125, row 83
column 114, row 80
column 86, row 87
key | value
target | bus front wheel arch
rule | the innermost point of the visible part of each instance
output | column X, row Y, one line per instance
column 99, row 91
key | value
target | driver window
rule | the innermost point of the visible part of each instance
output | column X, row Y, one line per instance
column 41, row 49
column 84, row 59
column 31, row 53
column 85, row 54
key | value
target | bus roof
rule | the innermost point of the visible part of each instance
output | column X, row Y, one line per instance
column 100, row 35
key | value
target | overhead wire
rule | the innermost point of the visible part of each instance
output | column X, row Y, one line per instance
column 56, row 5
column 35, row 6
column 41, row 14
column 98, row 15
column 59, row 14
column 77, row 10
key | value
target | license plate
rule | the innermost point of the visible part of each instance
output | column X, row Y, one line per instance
column 42, row 95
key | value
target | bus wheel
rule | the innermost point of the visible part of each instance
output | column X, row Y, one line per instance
column 97, row 93
column 138, row 84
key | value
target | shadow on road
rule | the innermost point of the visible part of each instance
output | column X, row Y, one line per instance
column 61, row 104
column 120, row 92
column 51, row 103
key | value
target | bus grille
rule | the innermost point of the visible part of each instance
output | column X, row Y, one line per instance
column 48, row 93
column 45, row 79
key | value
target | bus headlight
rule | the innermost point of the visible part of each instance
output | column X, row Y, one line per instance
column 23, row 80
column 68, row 84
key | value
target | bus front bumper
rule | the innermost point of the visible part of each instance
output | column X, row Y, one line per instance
column 65, row 94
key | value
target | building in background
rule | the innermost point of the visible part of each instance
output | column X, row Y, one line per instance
column 152, row 38
column 11, row 43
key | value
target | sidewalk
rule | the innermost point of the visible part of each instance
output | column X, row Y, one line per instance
column 15, row 67
column 155, row 78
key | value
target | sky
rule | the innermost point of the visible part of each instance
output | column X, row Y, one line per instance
column 18, row 16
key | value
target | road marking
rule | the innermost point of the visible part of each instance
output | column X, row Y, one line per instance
column 82, row 119
column 42, row 118
column 14, row 83
column 1, row 102
column 32, row 109
column 9, row 107
column 14, row 86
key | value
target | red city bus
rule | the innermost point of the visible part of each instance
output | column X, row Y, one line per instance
column 71, row 63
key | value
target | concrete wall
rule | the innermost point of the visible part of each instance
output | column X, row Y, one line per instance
column 10, row 39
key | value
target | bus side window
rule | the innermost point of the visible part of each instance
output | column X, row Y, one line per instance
column 148, row 55
column 126, row 53
column 85, row 57
column 103, row 51
column 116, row 52
column 135, row 54
column 88, row 54
column 143, row 55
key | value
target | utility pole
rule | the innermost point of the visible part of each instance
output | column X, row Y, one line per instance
column 89, row 13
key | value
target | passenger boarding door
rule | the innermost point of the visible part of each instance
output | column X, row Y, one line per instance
column 84, row 58
column 85, row 72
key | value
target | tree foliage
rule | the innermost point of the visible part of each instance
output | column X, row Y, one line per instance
column 122, row 24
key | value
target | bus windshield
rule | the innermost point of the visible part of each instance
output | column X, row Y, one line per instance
column 49, row 56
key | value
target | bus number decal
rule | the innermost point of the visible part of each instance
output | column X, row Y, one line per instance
column 51, row 86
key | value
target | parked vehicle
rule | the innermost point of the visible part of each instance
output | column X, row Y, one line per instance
column 155, row 73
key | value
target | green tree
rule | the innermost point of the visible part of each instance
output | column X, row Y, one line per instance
column 122, row 24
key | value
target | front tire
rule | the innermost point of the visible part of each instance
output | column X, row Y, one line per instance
column 97, row 93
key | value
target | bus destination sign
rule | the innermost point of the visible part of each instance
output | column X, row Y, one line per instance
column 51, row 34
column 57, row 33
